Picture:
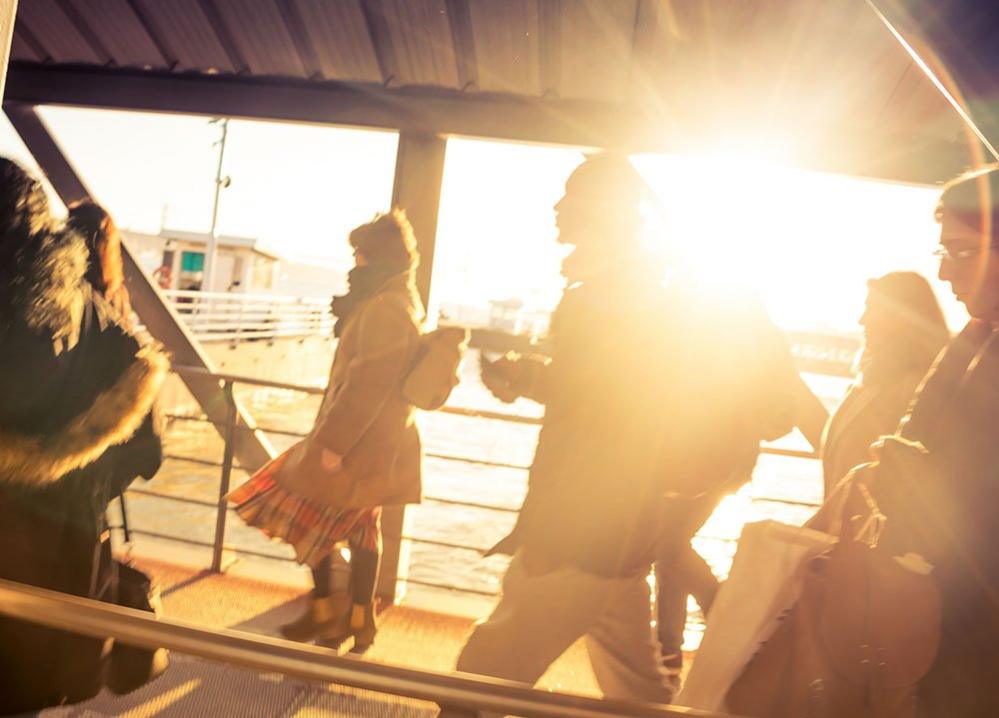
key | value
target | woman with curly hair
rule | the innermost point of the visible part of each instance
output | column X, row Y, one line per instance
column 364, row 450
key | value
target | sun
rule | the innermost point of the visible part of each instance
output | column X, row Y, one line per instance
column 805, row 242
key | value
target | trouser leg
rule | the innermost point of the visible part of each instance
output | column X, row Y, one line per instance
column 681, row 572
column 364, row 565
column 671, row 610
column 321, row 578
column 623, row 650
column 537, row 619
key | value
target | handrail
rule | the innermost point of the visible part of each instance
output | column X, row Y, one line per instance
column 458, row 692
column 227, row 381
column 457, row 411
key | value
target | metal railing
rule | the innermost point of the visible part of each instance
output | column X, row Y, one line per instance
column 225, row 316
column 228, row 465
column 459, row 695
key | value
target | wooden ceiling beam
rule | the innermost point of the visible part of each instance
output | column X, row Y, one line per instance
column 909, row 158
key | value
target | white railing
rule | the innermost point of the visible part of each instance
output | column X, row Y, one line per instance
column 236, row 316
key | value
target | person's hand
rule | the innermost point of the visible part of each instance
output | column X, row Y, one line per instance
column 498, row 376
column 330, row 461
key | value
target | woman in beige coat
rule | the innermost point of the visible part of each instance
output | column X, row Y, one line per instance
column 364, row 450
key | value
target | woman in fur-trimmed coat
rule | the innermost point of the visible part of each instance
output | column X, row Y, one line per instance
column 73, row 385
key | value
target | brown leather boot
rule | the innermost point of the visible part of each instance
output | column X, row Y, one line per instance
column 321, row 615
column 359, row 623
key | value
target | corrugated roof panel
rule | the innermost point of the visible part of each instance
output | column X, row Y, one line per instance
column 596, row 42
column 121, row 32
column 261, row 34
column 21, row 50
column 506, row 45
column 341, row 39
column 56, row 32
column 421, row 39
column 183, row 26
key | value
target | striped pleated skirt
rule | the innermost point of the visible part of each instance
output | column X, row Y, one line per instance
column 312, row 529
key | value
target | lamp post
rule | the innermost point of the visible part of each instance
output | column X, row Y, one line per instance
column 211, row 251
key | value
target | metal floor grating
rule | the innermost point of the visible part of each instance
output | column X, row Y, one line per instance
column 192, row 688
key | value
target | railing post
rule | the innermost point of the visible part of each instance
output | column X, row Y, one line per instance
column 223, row 508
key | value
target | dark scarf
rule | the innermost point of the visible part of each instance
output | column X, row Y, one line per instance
column 362, row 283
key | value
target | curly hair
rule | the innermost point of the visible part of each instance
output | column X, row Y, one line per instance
column 388, row 239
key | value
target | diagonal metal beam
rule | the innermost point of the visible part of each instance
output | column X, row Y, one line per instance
column 460, row 19
column 381, row 40
column 79, row 21
column 221, row 30
column 306, row 51
column 550, row 48
column 252, row 447
column 949, row 94
column 156, row 36
column 31, row 39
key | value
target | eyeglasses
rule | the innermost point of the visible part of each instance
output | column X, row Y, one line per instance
column 958, row 255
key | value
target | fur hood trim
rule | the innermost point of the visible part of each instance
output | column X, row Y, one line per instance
column 112, row 419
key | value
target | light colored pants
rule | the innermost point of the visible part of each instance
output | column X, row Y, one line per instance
column 539, row 617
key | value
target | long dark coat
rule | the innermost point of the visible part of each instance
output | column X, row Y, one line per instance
column 944, row 507
column 648, row 392
column 74, row 430
column 867, row 413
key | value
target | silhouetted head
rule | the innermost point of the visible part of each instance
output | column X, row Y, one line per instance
column 968, row 213
column 94, row 224
column 902, row 322
column 387, row 240
column 602, row 204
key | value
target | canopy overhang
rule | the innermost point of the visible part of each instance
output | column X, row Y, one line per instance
column 824, row 79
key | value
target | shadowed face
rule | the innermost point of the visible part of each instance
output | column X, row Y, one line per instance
column 602, row 200
column 969, row 262
column 577, row 213
column 876, row 322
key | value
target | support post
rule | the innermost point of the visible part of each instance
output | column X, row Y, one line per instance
column 251, row 446
column 419, row 170
column 232, row 418
column 8, row 12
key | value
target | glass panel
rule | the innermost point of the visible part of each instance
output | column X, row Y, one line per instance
column 192, row 262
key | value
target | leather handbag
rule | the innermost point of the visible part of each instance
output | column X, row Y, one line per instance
column 864, row 632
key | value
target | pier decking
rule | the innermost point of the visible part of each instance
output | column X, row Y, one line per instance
column 407, row 637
